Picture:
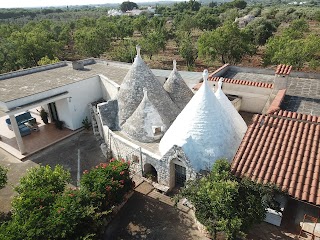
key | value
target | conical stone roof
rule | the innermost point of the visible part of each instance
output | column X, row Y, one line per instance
column 142, row 124
column 177, row 89
column 131, row 92
column 203, row 130
column 238, row 122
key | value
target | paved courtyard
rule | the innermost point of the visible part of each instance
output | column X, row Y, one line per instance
column 303, row 94
column 64, row 153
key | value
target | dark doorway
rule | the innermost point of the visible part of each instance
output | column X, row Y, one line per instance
column 150, row 172
column 180, row 175
column 53, row 112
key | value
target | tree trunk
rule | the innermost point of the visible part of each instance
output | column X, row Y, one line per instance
column 222, row 59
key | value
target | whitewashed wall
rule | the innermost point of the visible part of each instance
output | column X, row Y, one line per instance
column 82, row 93
column 72, row 107
column 253, row 98
column 63, row 111
column 109, row 88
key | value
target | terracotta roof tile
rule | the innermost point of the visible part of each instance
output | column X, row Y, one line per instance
column 283, row 69
column 283, row 148
column 236, row 81
column 275, row 105
column 218, row 70
column 242, row 82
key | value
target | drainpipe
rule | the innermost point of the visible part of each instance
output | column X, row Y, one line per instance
column 16, row 131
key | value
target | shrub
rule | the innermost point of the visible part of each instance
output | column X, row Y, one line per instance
column 109, row 182
column 46, row 209
column 227, row 204
column 3, row 177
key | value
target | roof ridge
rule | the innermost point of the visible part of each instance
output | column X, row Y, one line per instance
column 283, row 69
column 243, row 82
column 282, row 150
column 301, row 117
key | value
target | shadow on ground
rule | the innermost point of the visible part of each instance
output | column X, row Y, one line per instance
column 147, row 218
column 65, row 153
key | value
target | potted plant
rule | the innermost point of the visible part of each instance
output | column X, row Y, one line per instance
column 86, row 123
column 43, row 115
column 59, row 124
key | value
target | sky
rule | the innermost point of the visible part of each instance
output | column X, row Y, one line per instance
column 46, row 3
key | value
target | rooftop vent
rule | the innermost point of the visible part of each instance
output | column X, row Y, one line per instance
column 77, row 65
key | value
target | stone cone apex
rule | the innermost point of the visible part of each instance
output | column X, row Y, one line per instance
column 238, row 122
column 202, row 130
column 145, row 124
column 131, row 92
column 177, row 89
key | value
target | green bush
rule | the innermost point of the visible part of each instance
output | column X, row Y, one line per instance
column 46, row 209
column 227, row 204
column 3, row 177
column 108, row 181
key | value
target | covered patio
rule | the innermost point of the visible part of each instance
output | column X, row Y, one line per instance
column 39, row 138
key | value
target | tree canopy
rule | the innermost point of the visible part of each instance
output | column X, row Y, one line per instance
column 228, row 43
column 224, row 203
column 31, row 37
column 295, row 46
column 127, row 5
column 45, row 208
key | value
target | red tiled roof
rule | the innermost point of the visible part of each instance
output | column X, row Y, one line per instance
column 243, row 82
column 283, row 149
column 197, row 86
column 283, row 69
column 275, row 105
column 219, row 69
column 236, row 81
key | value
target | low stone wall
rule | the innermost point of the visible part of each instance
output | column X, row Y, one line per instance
column 139, row 156
column 117, row 208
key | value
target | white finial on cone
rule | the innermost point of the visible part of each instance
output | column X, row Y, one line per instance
column 220, row 83
column 138, row 48
column 174, row 65
column 145, row 92
column 205, row 75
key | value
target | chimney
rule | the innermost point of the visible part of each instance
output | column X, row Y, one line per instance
column 281, row 76
column 77, row 65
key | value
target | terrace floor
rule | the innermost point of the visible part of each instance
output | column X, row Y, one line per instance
column 47, row 135
column 302, row 95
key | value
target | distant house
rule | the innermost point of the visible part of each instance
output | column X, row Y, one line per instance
column 114, row 12
column 137, row 12
column 243, row 21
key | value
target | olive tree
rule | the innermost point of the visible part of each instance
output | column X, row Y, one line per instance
column 228, row 43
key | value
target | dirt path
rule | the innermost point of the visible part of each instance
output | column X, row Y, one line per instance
column 145, row 217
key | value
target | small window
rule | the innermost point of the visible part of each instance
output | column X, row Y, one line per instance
column 135, row 158
column 157, row 130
